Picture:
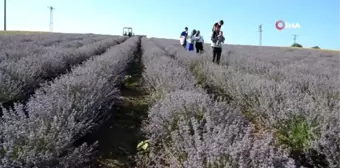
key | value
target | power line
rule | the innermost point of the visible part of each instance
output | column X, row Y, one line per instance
column 294, row 35
column 51, row 17
column 5, row 13
column 260, row 31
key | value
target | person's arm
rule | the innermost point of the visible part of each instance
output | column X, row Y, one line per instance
column 222, row 39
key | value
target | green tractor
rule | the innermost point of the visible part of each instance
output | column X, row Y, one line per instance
column 127, row 31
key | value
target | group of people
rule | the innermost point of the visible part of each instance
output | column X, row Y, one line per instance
column 196, row 40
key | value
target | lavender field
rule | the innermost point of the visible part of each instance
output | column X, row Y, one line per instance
column 84, row 100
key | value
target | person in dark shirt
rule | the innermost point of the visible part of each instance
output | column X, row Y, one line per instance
column 183, row 37
column 199, row 42
column 220, row 23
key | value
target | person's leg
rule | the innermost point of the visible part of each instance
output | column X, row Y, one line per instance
column 201, row 47
column 218, row 55
column 190, row 47
column 198, row 47
column 214, row 53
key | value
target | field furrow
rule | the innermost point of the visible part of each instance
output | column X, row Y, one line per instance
column 43, row 133
column 120, row 134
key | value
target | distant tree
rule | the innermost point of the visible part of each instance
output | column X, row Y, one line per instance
column 297, row 45
column 316, row 47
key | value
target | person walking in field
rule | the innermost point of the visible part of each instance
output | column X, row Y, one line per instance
column 217, row 39
column 199, row 42
column 183, row 37
column 220, row 23
column 191, row 41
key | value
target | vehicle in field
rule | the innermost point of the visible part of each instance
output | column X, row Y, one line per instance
column 127, row 31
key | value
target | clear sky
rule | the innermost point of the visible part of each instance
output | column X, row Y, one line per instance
column 319, row 19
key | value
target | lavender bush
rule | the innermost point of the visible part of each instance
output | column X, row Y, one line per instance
column 173, row 76
column 263, row 107
column 291, row 92
column 22, row 76
column 20, row 45
column 39, row 39
column 187, row 128
column 79, row 43
column 195, row 131
column 61, row 112
column 21, row 50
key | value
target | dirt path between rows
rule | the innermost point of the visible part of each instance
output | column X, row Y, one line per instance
column 119, row 136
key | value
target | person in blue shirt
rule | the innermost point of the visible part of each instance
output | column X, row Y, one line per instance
column 183, row 37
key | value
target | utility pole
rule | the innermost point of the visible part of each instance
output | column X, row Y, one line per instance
column 260, row 31
column 5, row 15
column 51, row 17
column 294, row 38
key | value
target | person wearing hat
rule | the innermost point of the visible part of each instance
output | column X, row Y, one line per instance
column 183, row 37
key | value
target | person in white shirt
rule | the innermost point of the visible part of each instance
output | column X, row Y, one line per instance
column 217, row 39
column 191, row 41
column 199, row 42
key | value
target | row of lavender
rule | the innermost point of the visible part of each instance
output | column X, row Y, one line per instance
column 47, row 39
column 16, row 48
column 43, row 132
column 188, row 128
column 295, row 96
column 19, row 77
